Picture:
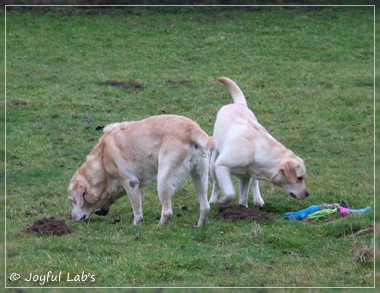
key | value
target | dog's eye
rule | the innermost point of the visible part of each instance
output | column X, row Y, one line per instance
column 300, row 178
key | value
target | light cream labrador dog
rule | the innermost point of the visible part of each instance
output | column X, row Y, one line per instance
column 246, row 149
column 131, row 155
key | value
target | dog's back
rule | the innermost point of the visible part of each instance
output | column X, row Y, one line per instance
column 159, row 128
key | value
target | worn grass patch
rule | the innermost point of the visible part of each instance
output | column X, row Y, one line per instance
column 308, row 76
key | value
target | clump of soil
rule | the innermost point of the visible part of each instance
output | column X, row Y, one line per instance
column 177, row 82
column 19, row 103
column 50, row 226
column 114, row 218
column 87, row 120
column 129, row 84
column 239, row 212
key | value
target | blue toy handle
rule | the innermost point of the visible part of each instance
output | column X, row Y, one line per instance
column 302, row 213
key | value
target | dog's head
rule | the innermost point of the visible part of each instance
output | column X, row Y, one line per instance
column 86, row 199
column 291, row 176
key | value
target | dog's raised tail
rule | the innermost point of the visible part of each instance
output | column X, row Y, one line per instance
column 235, row 91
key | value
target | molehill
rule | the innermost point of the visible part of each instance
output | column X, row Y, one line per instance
column 50, row 226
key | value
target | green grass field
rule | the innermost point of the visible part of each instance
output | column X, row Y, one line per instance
column 308, row 76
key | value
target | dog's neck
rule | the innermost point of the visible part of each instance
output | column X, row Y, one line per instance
column 93, row 167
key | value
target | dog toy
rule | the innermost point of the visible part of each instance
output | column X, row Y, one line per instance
column 323, row 210
column 302, row 213
column 322, row 213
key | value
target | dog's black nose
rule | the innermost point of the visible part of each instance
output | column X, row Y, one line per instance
column 307, row 193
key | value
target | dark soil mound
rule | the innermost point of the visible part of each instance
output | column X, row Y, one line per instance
column 50, row 226
column 129, row 84
column 238, row 213
column 177, row 82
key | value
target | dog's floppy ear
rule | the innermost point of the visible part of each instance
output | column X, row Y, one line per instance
column 78, row 195
column 290, row 171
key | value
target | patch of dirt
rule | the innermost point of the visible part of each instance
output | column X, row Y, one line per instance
column 238, row 213
column 129, row 84
column 19, row 103
column 50, row 226
column 87, row 120
column 177, row 82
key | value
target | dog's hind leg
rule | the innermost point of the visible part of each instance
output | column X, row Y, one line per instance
column 165, row 191
column 244, row 189
column 172, row 171
column 215, row 185
column 200, row 178
column 258, row 201
column 223, row 177
column 134, row 195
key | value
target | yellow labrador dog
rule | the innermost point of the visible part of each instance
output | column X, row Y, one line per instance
column 246, row 149
column 131, row 155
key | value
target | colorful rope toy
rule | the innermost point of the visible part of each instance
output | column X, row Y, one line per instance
column 323, row 210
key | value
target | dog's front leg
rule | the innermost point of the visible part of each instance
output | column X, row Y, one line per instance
column 258, row 201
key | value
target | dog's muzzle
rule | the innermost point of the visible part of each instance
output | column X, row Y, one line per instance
column 76, row 217
column 306, row 194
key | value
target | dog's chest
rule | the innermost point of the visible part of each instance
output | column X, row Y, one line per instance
column 115, row 189
column 241, row 171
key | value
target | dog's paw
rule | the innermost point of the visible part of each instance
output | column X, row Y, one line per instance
column 138, row 220
column 259, row 203
column 165, row 218
column 201, row 223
